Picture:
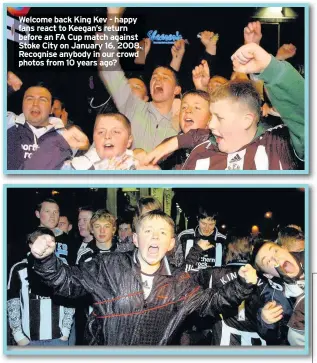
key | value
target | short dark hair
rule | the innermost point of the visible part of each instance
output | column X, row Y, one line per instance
column 167, row 66
column 46, row 200
column 118, row 116
column 197, row 92
column 42, row 85
column 125, row 219
column 62, row 102
column 242, row 91
column 204, row 212
column 40, row 231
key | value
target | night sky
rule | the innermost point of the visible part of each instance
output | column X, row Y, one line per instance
column 238, row 208
column 73, row 86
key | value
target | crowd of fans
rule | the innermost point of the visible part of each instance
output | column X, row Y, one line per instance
column 131, row 281
column 252, row 121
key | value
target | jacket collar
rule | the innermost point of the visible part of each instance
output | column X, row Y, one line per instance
column 164, row 268
column 54, row 122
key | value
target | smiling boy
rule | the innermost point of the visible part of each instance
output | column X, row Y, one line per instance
column 137, row 299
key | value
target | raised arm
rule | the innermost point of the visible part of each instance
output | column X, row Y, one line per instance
column 284, row 85
column 65, row 280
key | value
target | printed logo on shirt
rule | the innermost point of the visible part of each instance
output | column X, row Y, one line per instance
column 235, row 160
column 28, row 150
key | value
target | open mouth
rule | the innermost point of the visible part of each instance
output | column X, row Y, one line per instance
column 288, row 267
column 108, row 146
column 189, row 121
column 35, row 113
column 153, row 250
column 158, row 89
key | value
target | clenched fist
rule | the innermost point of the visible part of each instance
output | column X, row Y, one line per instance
column 249, row 274
column 43, row 246
column 76, row 139
column 250, row 58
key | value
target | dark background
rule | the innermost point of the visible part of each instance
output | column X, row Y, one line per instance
column 239, row 209
column 75, row 86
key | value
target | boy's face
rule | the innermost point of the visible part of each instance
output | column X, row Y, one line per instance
column 194, row 114
column 124, row 231
column 163, row 85
column 206, row 226
column 111, row 137
column 154, row 238
column 230, row 123
column 37, row 106
column 48, row 215
column 84, row 218
column 271, row 255
column 138, row 88
column 103, row 230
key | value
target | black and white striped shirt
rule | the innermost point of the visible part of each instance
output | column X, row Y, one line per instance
column 31, row 312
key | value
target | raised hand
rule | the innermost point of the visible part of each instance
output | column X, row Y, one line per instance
column 209, row 40
column 248, row 273
column 286, row 51
column 250, row 58
column 43, row 246
column 178, row 48
column 271, row 312
column 252, row 33
column 143, row 50
column 14, row 81
column 201, row 76
column 75, row 138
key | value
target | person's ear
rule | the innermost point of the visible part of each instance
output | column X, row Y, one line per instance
column 135, row 240
column 70, row 227
column 248, row 120
column 114, row 228
column 145, row 98
column 172, row 244
column 177, row 90
column 37, row 213
column 130, row 141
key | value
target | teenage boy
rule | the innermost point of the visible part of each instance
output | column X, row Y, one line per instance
column 239, row 141
column 137, row 299
column 287, row 268
column 103, row 228
column 203, row 246
column 35, row 318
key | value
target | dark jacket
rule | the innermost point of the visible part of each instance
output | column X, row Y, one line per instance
column 244, row 326
column 22, row 143
column 121, row 315
column 189, row 253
